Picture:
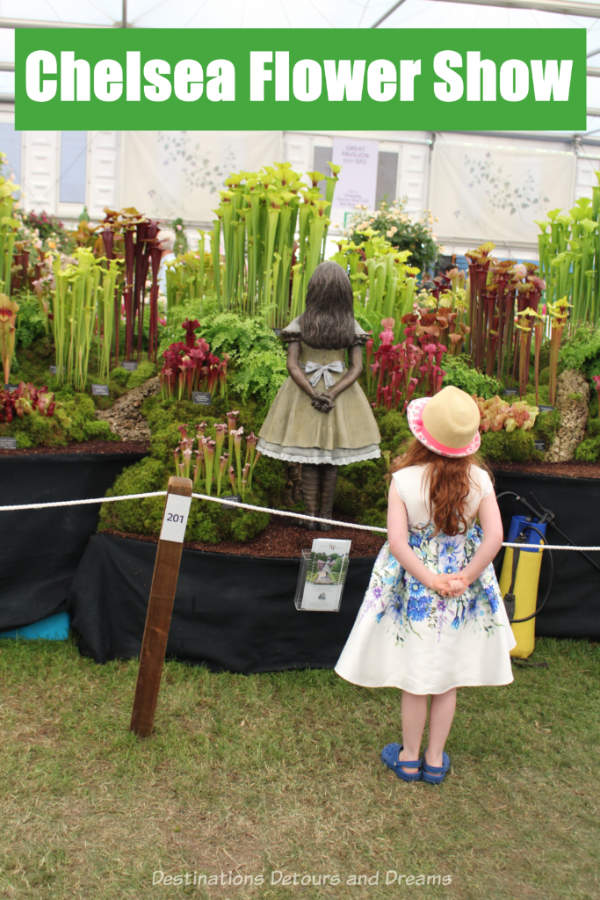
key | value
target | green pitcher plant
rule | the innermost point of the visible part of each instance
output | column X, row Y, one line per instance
column 82, row 312
column 212, row 467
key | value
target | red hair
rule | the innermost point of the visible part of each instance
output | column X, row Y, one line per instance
column 449, row 484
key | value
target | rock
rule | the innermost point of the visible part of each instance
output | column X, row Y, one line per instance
column 125, row 418
column 572, row 398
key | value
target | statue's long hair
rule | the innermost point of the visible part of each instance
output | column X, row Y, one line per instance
column 328, row 319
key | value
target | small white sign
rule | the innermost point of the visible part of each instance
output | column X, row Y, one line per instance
column 357, row 183
column 175, row 518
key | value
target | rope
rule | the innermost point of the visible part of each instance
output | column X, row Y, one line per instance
column 287, row 514
column 21, row 506
column 273, row 512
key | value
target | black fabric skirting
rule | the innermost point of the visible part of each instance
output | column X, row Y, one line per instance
column 573, row 606
column 41, row 549
column 231, row 612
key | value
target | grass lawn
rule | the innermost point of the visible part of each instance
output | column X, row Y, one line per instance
column 259, row 777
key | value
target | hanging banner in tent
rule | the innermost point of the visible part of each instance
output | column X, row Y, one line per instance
column 170, row 174
column 497, row 190
column 358, row 176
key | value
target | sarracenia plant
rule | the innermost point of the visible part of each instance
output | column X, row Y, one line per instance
column 569, row 252
column 8, row 229
column 8, row 323
column 526, row 318
column 190, row 275
column 200, row 457
column 383, row 284
column 190, row 366
column 559, row 313
column 274, row 230
column 81, row 309
column 141, row 252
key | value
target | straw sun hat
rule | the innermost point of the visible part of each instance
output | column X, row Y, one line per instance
column 447, row 424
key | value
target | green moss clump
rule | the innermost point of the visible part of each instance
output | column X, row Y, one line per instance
column 593, row 427
column 73, row 421
column 144, row 371
column 394, row 431
column 461, row 373
column 588, row 450
column 40, row 431
column 361, row 492
column 546, row 426
column 504, row 446
column 119, row 377
column 136, row 516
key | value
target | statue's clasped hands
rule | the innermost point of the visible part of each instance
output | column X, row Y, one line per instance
column 323, row 402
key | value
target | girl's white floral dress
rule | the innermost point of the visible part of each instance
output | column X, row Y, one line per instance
column 409, row 637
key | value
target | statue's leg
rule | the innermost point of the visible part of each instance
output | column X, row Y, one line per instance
column 328, row 479
column 310, row 492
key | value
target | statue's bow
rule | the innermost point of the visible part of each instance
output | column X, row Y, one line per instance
column 316, row 371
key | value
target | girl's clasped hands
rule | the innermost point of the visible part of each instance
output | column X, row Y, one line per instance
column 449, row 585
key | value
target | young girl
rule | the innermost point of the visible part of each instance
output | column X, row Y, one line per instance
column 321, row 416
column 433, row 618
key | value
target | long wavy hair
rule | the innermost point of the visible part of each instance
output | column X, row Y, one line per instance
column 328, row 319
column 449, row 483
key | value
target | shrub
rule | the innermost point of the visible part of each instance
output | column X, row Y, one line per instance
column 393, row 223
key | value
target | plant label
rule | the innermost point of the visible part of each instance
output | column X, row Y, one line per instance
column 130, row 365
column 8, row 443
column 203, row 398
column 52, row 370
column 175, row 518
column 100, row 390
column 235, row 498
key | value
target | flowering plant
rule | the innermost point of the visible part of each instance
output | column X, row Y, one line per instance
column 391, row 221
column 190, row 366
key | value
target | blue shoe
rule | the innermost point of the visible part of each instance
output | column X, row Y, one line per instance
column 436, row 774
column 389, row 755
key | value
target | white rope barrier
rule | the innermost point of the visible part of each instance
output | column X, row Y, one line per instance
column 22, row 506
column 266, row 509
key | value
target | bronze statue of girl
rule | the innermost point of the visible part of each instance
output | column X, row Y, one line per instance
column 321, row 417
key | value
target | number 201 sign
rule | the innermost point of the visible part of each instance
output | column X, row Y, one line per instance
column 175, row 518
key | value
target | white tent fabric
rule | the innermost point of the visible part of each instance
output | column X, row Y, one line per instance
column 153, row 170
column 173, row 173
column 478, row 187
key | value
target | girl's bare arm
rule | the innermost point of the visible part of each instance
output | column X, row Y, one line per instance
column 491, row 523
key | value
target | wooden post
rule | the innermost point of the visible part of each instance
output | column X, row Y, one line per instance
column 160, row 604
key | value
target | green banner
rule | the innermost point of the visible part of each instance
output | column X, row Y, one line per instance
column 328, row 79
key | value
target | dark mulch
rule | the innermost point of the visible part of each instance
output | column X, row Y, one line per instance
column 101, row 448
column 282, row 540
column 557, row 470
